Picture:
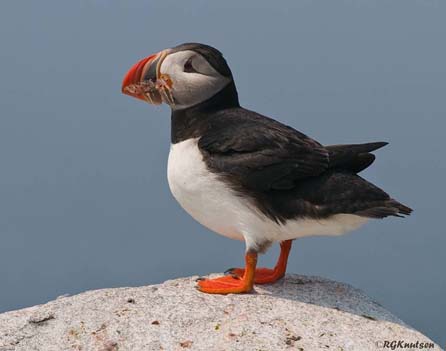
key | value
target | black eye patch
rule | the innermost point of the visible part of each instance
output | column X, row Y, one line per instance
column 210, row 54
column 188, row 68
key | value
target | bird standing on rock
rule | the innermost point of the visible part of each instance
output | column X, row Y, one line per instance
column 247, row 176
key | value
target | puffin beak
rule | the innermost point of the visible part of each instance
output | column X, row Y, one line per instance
column 142, row 80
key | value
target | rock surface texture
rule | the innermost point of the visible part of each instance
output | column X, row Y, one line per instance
column 297, row 313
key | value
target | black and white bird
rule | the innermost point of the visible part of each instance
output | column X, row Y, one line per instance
column 247, row 176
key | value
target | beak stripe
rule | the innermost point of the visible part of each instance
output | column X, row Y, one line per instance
column 153, row 71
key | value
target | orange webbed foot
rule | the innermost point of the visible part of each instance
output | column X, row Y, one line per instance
column 261, row 275
column 224, row 285
column 230, row 284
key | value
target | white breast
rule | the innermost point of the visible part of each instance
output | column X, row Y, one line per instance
column 199, row 192
column 212, row 203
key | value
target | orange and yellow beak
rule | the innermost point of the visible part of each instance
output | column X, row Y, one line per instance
column 141, row 81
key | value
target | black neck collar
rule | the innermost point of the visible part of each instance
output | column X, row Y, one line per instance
column 192, row 121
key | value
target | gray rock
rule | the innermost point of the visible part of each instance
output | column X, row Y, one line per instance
column 297, row 313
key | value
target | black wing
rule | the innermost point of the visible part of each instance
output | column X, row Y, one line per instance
column 259, row 153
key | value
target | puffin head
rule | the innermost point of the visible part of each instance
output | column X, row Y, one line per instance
column 181, row 77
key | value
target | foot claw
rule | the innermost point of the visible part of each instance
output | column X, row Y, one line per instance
column 229, row 271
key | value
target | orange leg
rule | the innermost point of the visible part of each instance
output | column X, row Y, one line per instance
column 267, row 275
column 231, row 284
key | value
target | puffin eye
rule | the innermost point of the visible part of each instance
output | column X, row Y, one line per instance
column 188, row 68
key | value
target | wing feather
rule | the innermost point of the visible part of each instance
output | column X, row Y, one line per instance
column 262, row 153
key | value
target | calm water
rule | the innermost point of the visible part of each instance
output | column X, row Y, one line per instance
column 84, row 199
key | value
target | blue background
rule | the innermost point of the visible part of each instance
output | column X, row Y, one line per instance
column 84, row 200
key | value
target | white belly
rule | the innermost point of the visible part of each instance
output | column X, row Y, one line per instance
column 199, row 191
column 212, row 203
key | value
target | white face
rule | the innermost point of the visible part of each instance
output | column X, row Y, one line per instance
column 194, row 80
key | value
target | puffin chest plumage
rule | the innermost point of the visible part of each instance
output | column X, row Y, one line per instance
column 201, row 194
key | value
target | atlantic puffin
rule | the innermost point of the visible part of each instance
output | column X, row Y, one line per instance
column 247, row 176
